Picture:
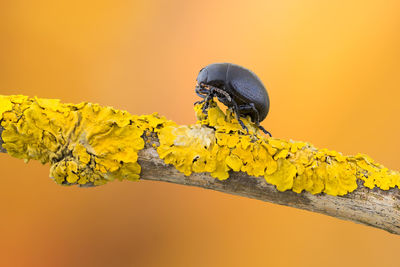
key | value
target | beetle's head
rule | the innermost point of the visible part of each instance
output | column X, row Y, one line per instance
column 202, row 78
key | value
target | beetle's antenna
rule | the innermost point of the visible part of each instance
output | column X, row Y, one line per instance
column 222, row 92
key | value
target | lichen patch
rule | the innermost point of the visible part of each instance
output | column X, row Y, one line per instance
column 88, row 144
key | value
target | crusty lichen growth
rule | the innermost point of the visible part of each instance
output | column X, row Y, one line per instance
column 217, row 144
column 87, row 144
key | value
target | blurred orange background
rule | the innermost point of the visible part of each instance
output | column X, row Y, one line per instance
column 332, row 69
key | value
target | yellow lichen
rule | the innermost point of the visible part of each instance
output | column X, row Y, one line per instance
column 5, row 104
column 283, row 176
column 85, row 143
column 88, row 144
column 289, row 165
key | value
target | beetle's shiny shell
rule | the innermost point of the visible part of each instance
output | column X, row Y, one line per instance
column 240, row 83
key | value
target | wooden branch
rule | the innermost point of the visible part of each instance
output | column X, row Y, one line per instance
column 373, row 207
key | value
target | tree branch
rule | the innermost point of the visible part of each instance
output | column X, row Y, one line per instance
column 373, row 207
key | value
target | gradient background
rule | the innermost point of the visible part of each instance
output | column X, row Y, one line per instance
column 332, row 69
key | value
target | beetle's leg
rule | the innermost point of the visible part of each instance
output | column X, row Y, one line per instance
column 235, row 106
column 211, row 94
column 252, row 108
column 265, row 131
column 257, row 116
column 202, row 92
column 200, row 101
column 236, row 110
column 242, row 124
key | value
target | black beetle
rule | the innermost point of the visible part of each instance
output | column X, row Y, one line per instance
column 237, row 88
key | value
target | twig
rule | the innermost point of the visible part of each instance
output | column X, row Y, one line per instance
column 374, row 207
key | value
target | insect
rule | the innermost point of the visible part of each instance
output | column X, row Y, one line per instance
column 236, row 87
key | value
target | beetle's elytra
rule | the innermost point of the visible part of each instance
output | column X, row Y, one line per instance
column 236, row 87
